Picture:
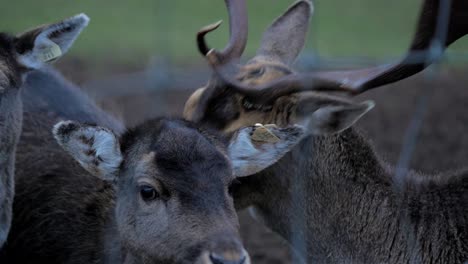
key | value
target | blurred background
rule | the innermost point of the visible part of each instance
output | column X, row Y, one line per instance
column 138, row 59
column 137, row 33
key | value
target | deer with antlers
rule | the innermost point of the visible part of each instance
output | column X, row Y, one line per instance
column 156, row 193
column 331, row 196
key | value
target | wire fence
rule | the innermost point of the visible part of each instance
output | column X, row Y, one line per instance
column 163, row 77
column 163, row 87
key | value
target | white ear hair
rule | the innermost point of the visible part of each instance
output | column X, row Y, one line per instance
column 249, row 155
column 53, row 41
column 95, row 148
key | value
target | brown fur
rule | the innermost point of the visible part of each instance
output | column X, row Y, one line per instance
column 58, row 202
column 19, row 55
column 332, row 198
column 11, row 73
column 63, row 214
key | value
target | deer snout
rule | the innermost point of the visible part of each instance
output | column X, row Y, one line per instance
column 225, row 249
column 229, row 257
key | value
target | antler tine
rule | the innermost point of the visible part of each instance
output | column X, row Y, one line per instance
column 358, row 81
column 441, row 23
column 430, row 28
column 238, row 28
column 201, row 43
column 268, row 93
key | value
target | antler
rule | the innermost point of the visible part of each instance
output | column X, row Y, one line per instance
column 238, row 28
column 441, row 23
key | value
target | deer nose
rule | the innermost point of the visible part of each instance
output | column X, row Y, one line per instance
column 229, row 258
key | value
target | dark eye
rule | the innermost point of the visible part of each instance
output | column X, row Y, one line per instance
column 257, row 72
column 148, row 193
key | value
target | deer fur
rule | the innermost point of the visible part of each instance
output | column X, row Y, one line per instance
column 332, row 197
column 19, row 55
column 83, row 208
column 64, row 214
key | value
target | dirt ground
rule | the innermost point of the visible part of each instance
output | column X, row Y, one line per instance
column 441, row 143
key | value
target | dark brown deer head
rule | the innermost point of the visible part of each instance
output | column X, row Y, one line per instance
column 267, row 90
column 314, row 197
column 173, row 182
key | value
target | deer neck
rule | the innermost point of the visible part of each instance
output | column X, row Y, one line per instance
column 115, row 251
column 326, row 196
column 10, row 122
column 10, row 129
column 42, row 88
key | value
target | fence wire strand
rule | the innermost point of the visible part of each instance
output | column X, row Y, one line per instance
column 162, row 76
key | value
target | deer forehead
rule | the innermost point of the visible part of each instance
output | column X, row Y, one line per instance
column 204, row 177
column 181, row 152
column 145, row 165
column 260, row 71
column 282, row 114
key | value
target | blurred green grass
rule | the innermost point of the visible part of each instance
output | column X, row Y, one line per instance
column 132, row 31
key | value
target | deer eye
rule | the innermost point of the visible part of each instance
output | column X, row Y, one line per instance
column 257, row 72
column 148, row 193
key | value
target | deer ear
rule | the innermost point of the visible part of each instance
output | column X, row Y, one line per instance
column 285, row 38
column 96, row 149
column 334, row 119
column 253, row 149
column 47, row 43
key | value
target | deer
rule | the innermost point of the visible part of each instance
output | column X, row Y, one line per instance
column 332, row 197
column 94, row 191
column 20, row 55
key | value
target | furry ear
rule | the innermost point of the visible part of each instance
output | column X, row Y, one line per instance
column 332, row 119
column 285, row 38
column 253, row 149
column 97, row 149
column 47, row 43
